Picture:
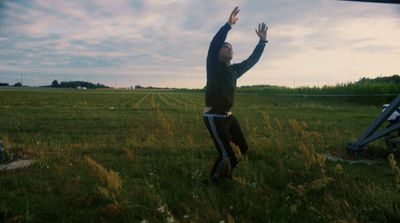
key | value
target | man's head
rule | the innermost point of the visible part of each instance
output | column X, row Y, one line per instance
column 226, row 52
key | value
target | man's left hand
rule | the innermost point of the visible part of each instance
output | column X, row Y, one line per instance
column 262, row 32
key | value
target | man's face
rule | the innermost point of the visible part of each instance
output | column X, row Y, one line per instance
column 226, row 52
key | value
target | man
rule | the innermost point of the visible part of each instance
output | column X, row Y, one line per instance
column 220, row 93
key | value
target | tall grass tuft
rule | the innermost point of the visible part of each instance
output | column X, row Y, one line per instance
column 267, row 122
column 311, row 158
column 6, row 141
column 395, row 170
column 111, row 182
column 297, row 128
column 128, row 154
column 165, row 122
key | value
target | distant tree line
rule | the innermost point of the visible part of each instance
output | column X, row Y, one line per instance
column 76, row 84
column 18, row 84
column 139, row 87
column 365, row 90
column 391, row 79
column 364, row 86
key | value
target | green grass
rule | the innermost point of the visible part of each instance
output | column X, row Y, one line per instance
column 156, row 144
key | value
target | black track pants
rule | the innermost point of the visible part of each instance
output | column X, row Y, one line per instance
column 223, row 130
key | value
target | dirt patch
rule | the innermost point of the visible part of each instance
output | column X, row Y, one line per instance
column 17, row 164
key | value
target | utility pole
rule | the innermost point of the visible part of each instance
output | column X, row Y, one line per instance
column 22, row 76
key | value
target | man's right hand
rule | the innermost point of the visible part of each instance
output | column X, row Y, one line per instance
column 233, row 18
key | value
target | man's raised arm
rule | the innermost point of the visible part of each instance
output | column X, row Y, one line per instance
column 219, row 38
column 245, row 65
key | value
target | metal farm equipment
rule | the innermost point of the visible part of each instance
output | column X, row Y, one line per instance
column 391, row 132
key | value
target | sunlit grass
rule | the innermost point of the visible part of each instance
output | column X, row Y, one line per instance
column 146, row 156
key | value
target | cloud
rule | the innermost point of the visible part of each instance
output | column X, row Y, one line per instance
column 165, row 42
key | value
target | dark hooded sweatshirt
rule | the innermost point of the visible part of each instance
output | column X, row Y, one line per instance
column 221, row 78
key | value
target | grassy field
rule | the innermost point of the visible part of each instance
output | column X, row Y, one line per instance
column 145, row 156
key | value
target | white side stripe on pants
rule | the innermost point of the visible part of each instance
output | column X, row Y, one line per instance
column 215, row 133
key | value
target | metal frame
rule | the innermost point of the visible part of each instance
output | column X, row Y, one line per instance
column 376, row 1
column 371, row 134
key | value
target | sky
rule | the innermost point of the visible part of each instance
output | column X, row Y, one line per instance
column 163, row 43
